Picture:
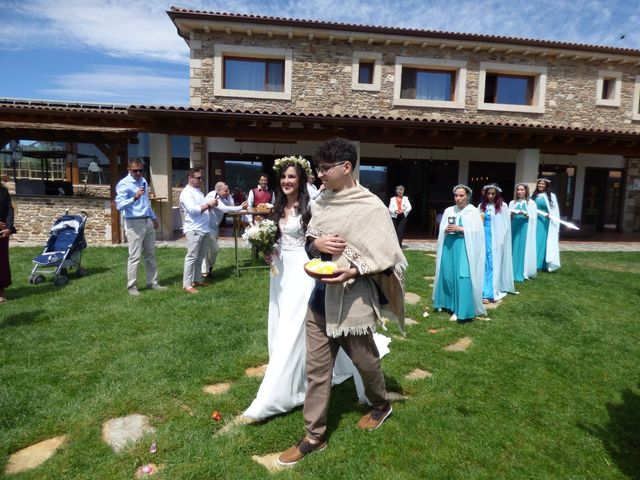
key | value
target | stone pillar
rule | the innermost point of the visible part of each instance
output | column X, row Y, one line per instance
column 160, row 171
column 631, row 197
column 579, row 192
column 463, row 172
column 527, row 163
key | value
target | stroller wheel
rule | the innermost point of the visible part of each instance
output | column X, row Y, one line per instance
column 81, row 272
column 61, row 281
column 37, row 279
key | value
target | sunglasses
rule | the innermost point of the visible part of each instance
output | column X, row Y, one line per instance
column 198, row 178
column 137, row 170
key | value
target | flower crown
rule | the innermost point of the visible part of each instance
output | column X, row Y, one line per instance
column 281, row 163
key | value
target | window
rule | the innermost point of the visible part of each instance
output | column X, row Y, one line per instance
column 252, row 72
column 512, row 88
column 427, row 84
column 366, row 71
column 509, row 89
column 635, row 115
column 608, row 88
column 430, row 82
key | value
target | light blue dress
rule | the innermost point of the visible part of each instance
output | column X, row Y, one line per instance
column 542, row 231
column 453, row 291
column 519, row 226
column 487, row 287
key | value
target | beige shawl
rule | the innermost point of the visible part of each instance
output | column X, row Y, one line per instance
column 361, row 218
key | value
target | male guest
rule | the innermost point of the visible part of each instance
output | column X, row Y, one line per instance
column 314, row 192
column 132, row 199
column 196, row 228
column 222, row 194
column 344, row 310
column 258, row 195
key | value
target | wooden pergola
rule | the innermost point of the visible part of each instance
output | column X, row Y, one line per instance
column 112, row 128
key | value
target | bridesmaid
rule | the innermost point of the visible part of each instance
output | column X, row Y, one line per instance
column 498, row 271
column 523, row 233
column 547, row 229
column 460, row 259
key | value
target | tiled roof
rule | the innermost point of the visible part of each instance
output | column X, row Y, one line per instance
column 9, row 104
column 177, row 12
column 296, row 116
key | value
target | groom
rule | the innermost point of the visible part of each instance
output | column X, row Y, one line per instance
column 352, row 227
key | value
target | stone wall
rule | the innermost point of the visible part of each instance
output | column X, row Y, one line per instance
column 321, row 84
column 631, row 201
column 34, row 217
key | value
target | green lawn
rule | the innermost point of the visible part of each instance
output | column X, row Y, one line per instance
column 550, row 387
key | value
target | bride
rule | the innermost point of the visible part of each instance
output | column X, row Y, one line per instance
column 284, row 384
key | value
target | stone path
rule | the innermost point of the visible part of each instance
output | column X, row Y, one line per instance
column 34, row 455
column 122, row 431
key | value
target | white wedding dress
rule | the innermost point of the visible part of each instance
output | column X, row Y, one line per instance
column 284, row 384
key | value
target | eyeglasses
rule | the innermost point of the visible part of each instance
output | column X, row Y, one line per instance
column 198, row 178
column 136, row 170
column 327, row 168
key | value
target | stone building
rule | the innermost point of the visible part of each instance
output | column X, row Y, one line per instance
column 426, row 109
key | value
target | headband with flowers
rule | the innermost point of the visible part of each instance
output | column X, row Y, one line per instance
column 491, row 185
column 281, row 163
column 464, row 187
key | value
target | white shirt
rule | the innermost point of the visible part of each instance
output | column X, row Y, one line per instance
column 313, row 191
column 251, row 201
column 224, row 205
column 191, row 200
column 393, row 206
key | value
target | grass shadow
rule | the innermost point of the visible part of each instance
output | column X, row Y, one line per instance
column 21, row 319
column 621, row 435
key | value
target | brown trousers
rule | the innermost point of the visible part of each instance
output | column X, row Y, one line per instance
column 321, row 356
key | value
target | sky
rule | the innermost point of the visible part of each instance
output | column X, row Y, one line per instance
column 128, row 51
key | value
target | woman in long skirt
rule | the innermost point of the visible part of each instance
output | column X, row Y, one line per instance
column 6, row 229
column 523, row 233
column 498, row 268
column 460, row 259
column 547, row 228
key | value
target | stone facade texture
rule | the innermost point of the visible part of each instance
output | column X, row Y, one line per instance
column 321, row 84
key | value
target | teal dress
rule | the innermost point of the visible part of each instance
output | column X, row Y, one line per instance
column 453, row 290
column 519, row 226
column 487, row 287
column 542, row 231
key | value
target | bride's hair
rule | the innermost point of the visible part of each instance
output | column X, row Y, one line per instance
column 280, row 203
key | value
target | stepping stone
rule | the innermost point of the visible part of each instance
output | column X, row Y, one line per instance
column 431, row 285
column 483, row 319
column 399, row 337
column 216, row 389
column 410, row 321
column 397, row 397
column 256, row 371
column 148, row 470
column 429, row 278
column 237, row 420
column 270, row 462
column 418, row 374
column 119, row 432
column 432, row 255
column 34, row 455
column 435, row 330
column 459, row 346
column 411, row 298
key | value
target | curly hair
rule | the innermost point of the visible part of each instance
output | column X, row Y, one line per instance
column 304, row 202
column 334, row 151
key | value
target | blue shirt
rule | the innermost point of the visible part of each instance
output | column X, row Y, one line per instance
column 125, row 201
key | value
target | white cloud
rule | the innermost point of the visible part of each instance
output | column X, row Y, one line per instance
column 123, row 85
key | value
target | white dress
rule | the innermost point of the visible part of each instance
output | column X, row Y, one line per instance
column 284, row 384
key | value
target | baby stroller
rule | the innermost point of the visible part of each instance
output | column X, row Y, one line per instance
column 63, row 251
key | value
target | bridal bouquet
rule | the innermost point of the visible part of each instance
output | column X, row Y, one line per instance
column 262, row 236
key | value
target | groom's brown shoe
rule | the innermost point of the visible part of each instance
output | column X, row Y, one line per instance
column 299, row 451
